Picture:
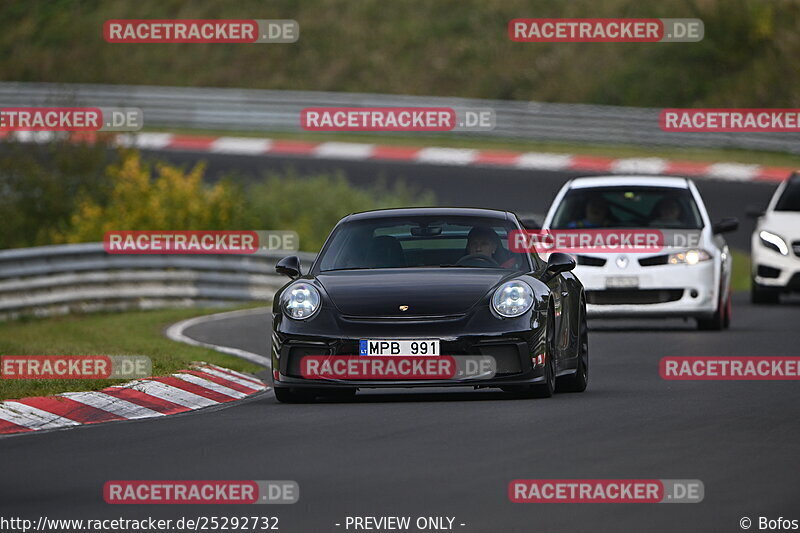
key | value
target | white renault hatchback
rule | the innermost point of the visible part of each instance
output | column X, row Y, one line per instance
column 687, row 276
column 775, row 245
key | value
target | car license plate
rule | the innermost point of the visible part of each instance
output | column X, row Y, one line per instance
column 394, row 347
column 622, row 282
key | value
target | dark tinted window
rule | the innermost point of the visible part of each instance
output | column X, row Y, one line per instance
column 790, row 199
column 411, row 242
column 628, row 207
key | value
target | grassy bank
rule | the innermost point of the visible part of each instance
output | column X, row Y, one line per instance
column 129, row 333
column 747, row 57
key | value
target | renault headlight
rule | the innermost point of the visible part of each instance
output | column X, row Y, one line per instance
column 512, row 299
column 773, row 242
column 689, row 257
column 300, row 301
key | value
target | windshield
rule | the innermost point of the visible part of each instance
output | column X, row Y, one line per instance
column 628, row 207
column 790, row 199
column 413, row 242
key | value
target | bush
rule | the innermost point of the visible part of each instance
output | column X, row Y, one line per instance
column 40, row 187
column 312, row 205
column 136, row 195
column 174, row 200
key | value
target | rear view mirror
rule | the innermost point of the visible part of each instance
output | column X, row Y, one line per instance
column 426, row 231
column 726, row 225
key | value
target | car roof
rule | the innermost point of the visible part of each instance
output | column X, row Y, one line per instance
column 429, row 211
column 623, row 181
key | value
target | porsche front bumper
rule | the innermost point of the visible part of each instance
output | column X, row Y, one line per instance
column 516, row 346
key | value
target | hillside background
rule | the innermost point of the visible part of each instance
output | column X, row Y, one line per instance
column 749, row 57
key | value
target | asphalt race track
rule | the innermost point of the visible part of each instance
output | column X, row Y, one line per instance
column 444, row 453
column 451, row 453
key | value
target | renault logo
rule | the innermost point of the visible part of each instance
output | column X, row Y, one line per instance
column 622, row 261
column 404, row 308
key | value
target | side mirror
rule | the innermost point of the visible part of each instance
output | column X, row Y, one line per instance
column 726, row 225
column 560, row 262
column 753, row 212
column 289, row 266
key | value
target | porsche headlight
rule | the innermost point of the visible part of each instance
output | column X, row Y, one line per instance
column 773, row 242
column 689, row 257
column 300, row 301
column 512, row 299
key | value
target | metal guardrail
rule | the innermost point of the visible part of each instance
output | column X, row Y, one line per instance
column 270, row 111
column 50, row 280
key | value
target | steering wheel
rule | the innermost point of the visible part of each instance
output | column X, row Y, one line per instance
column 482, row 260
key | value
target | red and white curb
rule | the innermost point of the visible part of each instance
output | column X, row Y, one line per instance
column 203, row 385
column 437, row 156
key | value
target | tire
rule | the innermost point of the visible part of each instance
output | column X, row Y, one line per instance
column 763, row 295
column 715, row 323
column 577, row 382
column 287, row 395
column 717, row 320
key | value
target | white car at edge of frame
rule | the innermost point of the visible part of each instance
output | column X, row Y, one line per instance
column 775, row 245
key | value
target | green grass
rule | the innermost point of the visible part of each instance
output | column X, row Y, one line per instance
column 127, row 333
column 492, row 143
column 740, row 277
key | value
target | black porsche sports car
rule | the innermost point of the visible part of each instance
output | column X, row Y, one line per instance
column 430, row 282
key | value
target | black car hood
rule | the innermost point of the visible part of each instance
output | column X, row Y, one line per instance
column 426, row 291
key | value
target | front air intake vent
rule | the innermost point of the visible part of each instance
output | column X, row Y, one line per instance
column 588, row 260
column 654, row 260
column 634, row 296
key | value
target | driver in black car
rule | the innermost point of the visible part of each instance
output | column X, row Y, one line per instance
column 484, row 241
